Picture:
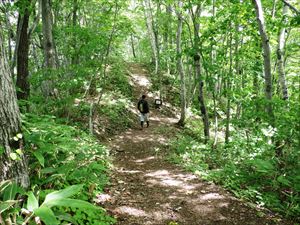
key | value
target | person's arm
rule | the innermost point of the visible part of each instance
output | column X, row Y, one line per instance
column 147, row 106
column 139, row 104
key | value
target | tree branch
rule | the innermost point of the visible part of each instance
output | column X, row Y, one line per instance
column 291, row 7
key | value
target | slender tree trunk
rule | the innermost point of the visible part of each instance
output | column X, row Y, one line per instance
column 180, row 69
column 36, row 19
column 132, row 46
column 280, row 57
column 166, row 35
column 256, row 88
column 267, row 58
column 198, row 72
column 151, row 33
column 238, row 68
column 74, row 23
column 228, row 92
column 13, row 164
column 170, row 37
column 215, row 85
column 35, row 56
column 22, row 55
column 10, row 33
column 17, row 42
column 111, row 37
column 104, row 59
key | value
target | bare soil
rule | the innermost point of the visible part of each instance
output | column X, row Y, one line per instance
column 147, row 189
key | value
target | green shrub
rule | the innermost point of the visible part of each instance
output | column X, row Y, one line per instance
column 247, row 167
column 62, row 158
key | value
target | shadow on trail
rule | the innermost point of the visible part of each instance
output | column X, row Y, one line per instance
column 147, row 189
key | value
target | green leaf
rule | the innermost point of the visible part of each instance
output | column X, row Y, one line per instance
column 32, row 202
column 66, row 217
column 6, row 205
column 283, row 180
column 46, row 215
column 48, row 170
column 61, row 194
column 68, row 202
column 20, row 152
column 263, row 166
column 11, row 191
column 39, row 157
column 1, row 150
column 4, row 185
column 13, row 156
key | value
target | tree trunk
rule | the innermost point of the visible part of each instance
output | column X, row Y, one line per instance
column 280, row 57
column 228, row 92
column 10, row 33
column 22, row 55
column 197, row 65
column 10, row 127
column 166, row 34
column 48, row 42
column 267, row 58
column 181, row 122
column 48, row 45
column 274, row 8
column 75, row 57
column 215, row 84
column 170, row 37
column 153, row 39
column 17, row 41
column 132, row 46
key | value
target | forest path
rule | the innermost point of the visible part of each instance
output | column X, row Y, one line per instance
column 147, row 189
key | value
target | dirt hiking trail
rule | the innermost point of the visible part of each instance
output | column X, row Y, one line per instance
column 147, row 189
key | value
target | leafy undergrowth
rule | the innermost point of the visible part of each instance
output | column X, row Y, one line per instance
column 61, row 158
column 247, row 167
column 68, row 165
column 112, row 115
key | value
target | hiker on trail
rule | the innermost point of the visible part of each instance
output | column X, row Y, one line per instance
column 143, row 107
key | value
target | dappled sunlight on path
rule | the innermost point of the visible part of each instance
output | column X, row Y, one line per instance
column 147, row 189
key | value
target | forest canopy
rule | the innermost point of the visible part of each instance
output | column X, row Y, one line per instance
column 229, row 69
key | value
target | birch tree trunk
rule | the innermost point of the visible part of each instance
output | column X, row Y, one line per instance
column 22, row 55
column 166, row 34
column 153, row 39
column 228, row 92
column 280, row 56
column 267, row 57
column 215, row 85
column 180, row 69
column 10, row 127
